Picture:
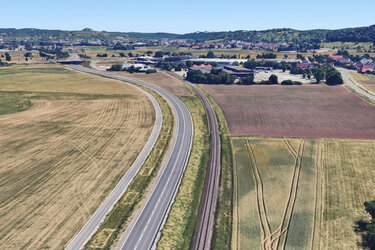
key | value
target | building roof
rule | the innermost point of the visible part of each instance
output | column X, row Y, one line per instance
column 238, row 68
column 335, row 56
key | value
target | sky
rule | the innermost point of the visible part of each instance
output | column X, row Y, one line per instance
column 186, row 16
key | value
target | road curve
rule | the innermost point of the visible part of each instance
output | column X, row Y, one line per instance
column 148, row 222
column 206, row 215
column 92, row 225
column 347, row 78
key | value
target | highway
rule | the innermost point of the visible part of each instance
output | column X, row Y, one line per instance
column 145, row 226
column 206, row 215
column 348, row 79
column 92, row 225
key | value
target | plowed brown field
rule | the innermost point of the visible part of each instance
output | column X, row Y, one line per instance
column 296, row 111
column 61, row 158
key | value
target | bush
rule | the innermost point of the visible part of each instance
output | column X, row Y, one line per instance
column 151, row 71
column 248, row 80
column 290, row 82
column 116, row 67
column 334, row 78
column 3, row 63
column 8, row 57
column 287, row 82
column 273, row 79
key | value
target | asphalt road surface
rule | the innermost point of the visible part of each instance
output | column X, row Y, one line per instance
column 92, row 225
column 148, row 222
column 206, row 215
column 348, row 79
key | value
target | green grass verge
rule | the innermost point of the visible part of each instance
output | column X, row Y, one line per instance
column 118, row 219
column 179, row 229
column 223, row 225
column 11, row 102
column 17, row 101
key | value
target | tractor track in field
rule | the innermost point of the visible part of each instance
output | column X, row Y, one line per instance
column 271, row 240
column 290, row 148
column 262, row 211
column 284, row 226
column 315, row 241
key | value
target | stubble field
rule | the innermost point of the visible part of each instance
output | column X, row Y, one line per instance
column 295, row 111
column 163, row 80
column 61, row 157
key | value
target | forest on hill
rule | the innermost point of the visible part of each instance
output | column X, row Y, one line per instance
column 360, row 34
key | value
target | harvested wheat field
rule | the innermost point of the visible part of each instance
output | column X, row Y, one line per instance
column 163, row 80
column 294, row 193
column 61, row 157
column 295, row 111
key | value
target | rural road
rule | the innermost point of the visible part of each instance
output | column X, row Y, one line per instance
column 147, row 224
column 206, row 215
column 348, row 79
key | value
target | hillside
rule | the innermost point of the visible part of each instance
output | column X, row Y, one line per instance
column 274, row 35
column 360, row 34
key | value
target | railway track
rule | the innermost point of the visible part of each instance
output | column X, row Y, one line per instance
column 206, row 215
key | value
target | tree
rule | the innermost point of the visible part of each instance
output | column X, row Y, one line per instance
column 130, row 54
column 285, row 56
column 210, row 54
column 151, row 71
column 370, row 208
column 189, row 64
column 319, row 75
column 115, row 67
column 287, row 82
column 334, row 78
column 248, row 80
column 158, row 54
column 273, row 79
column 28, row 54
column 8, row 57
column 370, row 237
column 283, row 67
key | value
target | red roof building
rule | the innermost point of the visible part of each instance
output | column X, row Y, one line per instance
column 335, row 56
column 302, row 65
column 365, row 68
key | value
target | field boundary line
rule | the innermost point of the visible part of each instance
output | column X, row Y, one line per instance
column 235, row 243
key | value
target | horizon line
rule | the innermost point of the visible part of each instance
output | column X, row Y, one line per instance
column 166, row 32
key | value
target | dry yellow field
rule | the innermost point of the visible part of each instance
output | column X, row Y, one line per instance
column 60, row 158
column 349, row 170
column 300, row 193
